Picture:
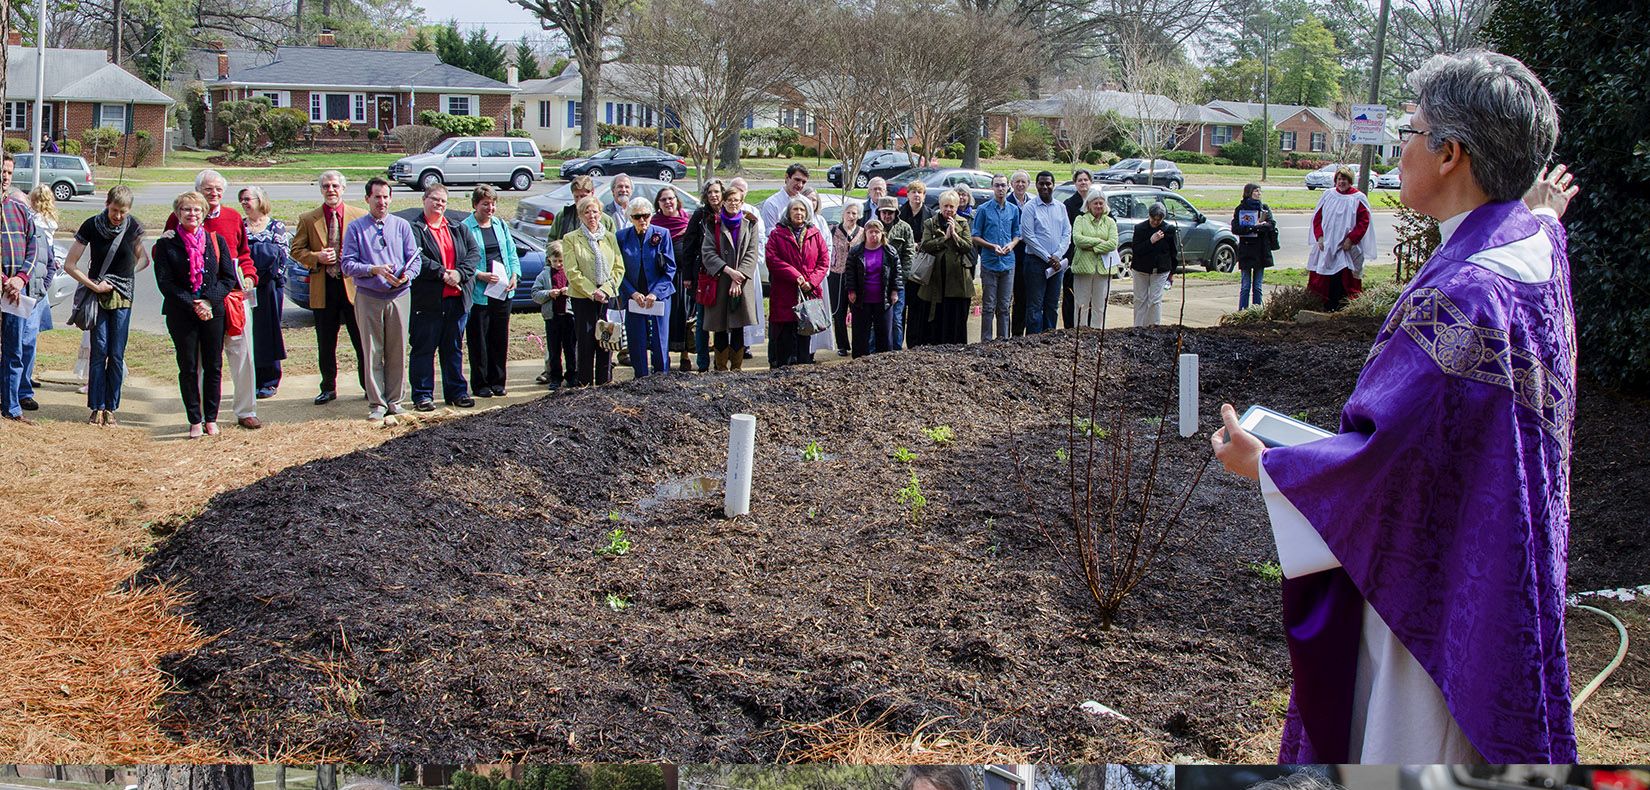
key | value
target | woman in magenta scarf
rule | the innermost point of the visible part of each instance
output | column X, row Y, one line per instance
column 195, row 270
column 669, row 214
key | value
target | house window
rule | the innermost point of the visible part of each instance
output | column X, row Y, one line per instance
column 461, row 105
column 112, row 116
column 575, row 114
column 1317, row 141
column 813, row 125
column 276, row 98
column 1221, row 135
column 17, row 116
column 350, row 107
column 1286, row 141
column 787, row 118
column 544, row 115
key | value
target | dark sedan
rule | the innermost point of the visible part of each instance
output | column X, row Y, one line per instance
column 1134, row 171
column 876, row 164
column 940, row 179
column 637, row 160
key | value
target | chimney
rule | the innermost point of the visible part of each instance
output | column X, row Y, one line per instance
column 223, row 65
column 512, row 76
column 14, row 38
column 326, row 39
column 1411, row 107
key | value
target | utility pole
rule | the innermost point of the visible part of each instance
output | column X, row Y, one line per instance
column 1367, row 162
column 1266, row 92
column 114, row 46
column 39, row 88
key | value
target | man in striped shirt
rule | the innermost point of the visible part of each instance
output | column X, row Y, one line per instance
column 16, row 256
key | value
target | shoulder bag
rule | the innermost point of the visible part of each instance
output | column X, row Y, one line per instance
column 812, row 316
column 922, row 267
column 84, row 312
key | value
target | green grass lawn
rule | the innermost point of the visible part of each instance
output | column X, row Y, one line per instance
column 1374, row 273
column 181, row 166
column 153, row 214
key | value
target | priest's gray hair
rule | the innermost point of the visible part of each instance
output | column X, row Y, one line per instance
column 1300, row 780
column 1495, row 108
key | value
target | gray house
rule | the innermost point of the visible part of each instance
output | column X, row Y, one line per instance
column 84, row 90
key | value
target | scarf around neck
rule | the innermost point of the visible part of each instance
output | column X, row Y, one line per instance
column 194, row 244
column 604, row 270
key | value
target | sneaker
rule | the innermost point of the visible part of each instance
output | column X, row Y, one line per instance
column 390, row 421
column 425, row 405
column 265, row 393
column 377, row 414
column 498, row 392
column 81, row 389
column 211, row 428
column 395, row 408
column 544, row 378
column 28, row 404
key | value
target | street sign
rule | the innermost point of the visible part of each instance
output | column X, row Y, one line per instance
column 1368, row 124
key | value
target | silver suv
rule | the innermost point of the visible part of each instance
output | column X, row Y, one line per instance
column 510, row 162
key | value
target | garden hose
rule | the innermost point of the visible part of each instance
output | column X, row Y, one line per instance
column 1621, row 653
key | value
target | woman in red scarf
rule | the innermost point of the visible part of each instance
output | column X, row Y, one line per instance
column 195, row 270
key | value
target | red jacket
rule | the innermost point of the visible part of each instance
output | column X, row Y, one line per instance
column 232, row 228
column 788, row 263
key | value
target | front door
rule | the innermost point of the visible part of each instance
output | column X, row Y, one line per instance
column 386, row 114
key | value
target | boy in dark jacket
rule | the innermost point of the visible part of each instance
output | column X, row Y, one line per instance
column 550, row 291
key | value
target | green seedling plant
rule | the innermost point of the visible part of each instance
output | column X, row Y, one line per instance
column 1061, row 455
column 1270, row 571
column 617, row 544
column 813, row 452
column 1300, row 415
column 617, row 602
column 903, row 455
column 612, row 515
column 940, row 434
column 912, row 497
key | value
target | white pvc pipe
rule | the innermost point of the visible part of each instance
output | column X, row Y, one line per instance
column 736, row 495
column 1188, row 394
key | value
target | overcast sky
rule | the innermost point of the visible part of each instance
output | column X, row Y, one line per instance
column 501, row 17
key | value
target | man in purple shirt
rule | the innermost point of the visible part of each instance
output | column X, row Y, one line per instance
column 381, row 253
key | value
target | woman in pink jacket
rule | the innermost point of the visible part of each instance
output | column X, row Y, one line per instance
column 799, row 258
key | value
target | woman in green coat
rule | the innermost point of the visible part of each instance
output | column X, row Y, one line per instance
column 1094, row 235
column 950, row 286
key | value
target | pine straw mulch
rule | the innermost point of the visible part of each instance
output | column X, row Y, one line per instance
column 79, row 647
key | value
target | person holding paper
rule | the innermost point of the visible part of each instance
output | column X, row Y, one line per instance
column 268, row 239
column 594, row 268
column 440, row 304
column 1156, row 253
column 649, row 281
column 1094, row 237
column 1257, row 234
column 1047, row 234
column 490, row 295
column 317, row 245
column 381, row 255
column 1423, row 547
column 16, row 260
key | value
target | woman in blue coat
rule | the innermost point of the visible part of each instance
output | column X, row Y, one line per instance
column 649, row 281
column 489, row 328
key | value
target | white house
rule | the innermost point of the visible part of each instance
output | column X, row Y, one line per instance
column 553, row 112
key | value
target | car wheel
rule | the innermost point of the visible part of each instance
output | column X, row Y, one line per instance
column 1311, row 188
column 595, row 172
column 1126, row 255
column 1175, row 184
column 521, row 181
column 667, row 175
column 62, row 191
column 1225, row 258
column 429, row 179
column 862, row 181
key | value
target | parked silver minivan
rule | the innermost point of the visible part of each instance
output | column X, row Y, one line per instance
column 510, row 162
column 68, row 175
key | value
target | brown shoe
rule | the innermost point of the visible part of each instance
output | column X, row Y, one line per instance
column 721, row 359
column 96, row 418
column 249, row 423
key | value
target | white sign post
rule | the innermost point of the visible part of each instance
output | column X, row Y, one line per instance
column 1368, row 124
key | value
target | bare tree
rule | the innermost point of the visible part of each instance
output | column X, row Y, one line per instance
column 1082, row 118
column 936, row 57
column 1162, row 89
column 849, row 104
column 1423, row 28
column 708, row 62
column 586, row 25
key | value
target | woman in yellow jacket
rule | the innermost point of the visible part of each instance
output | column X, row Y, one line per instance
column 1094, row 235
column 594, row 268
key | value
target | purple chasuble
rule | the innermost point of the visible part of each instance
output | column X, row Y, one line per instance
column 1446, row 498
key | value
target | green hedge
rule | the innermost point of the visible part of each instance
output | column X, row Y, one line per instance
column 457, row 125
column 1189, row 157
column 1596, row 74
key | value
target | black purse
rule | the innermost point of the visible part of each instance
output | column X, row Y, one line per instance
column 84, row 312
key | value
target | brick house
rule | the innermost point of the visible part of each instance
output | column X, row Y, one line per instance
column 365, row 88
column 83, row 90
column 1195, row 126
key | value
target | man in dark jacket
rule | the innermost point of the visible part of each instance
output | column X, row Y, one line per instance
column 1155, row 252
column 440, row 304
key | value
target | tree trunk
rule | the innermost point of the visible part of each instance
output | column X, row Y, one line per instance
column 590, row 74
column 729, row 158
column 326, row 777
column 971, row 141
column 280, row 777
column 185, row 777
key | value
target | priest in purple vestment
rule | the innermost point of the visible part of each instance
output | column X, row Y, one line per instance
column 1424, row 547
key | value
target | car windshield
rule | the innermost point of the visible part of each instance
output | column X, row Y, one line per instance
column 605, row 153
column 1126, row 163
column 914, row 174
column 444, row 145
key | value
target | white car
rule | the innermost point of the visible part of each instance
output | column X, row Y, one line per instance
column 1389, row 180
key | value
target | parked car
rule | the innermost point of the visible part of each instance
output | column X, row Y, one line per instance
column 636, row 160
column 535, row 215
column 509, row 162
column 1243, row 777
column 1202, row 241
column 1513, row 777
column 1324, row 177
column 67, row 175
column 880, row 163
column 1389, row 180
column 938, row 179
column 1134, row 171
column 532, row 262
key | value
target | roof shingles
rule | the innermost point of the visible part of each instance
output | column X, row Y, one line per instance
column 300, row 67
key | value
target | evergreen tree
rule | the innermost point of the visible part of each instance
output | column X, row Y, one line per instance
column 527, row 64
column 1308, row 72
column 486, row 56
column 421, row 42
column 450, row 47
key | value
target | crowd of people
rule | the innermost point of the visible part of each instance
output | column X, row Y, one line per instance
column 634, row 276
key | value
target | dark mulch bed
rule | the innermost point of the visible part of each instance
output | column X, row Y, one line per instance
column 439, row 597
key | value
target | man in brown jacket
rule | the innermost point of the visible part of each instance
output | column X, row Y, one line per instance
column 317, row 243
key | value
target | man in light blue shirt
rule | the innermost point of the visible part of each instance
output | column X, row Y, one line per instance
column 1047, row 234
column 996, row 234
column 381, row 253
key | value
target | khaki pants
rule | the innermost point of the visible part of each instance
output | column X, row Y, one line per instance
column 1148, row 297
column 1090, row 292
column 383, row 325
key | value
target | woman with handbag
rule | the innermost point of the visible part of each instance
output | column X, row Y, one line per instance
column 701, row 290
column 594, row 268
column 798, row 261
column 870, row 284
column 1257, row 237
column 103, row 303
column 270, row 244
column 1094, row 261
column 730, row 256
column 195, row 270
column 950, row 287
column 649, row 282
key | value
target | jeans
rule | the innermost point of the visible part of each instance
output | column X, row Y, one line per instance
column 648, row 338
column 106, row 369
column 41, row 321
column 996, row 299
column 897, row 320
column 1249, row 287
column 1042, row 296
column 432, row 332
column 11, row 363
column 701, row 338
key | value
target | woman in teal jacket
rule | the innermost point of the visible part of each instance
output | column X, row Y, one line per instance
column 1094, row 235
column 489, row 328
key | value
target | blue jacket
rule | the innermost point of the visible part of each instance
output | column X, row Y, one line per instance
column 506, row 248
column 648, row 267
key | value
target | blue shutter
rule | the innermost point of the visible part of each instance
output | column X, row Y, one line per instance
column 97, row 115
column 572, row 107
column 750, row 120
column 610, row 112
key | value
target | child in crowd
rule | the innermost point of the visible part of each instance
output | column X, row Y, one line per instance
column 550, row 291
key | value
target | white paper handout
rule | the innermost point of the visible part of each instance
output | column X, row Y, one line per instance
column 22, row 308
column 501, row 288
column 250, row 296
column 1053, row 270
column 658, row 308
